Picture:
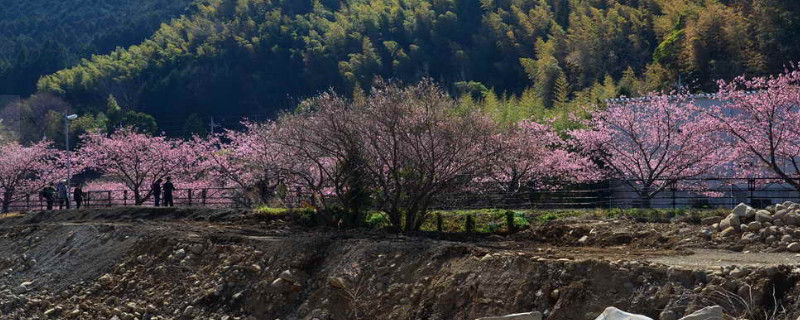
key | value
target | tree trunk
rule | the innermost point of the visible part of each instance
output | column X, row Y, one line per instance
column 396, row 218
column 137, row 197
column 645, row 198
column 7, row 196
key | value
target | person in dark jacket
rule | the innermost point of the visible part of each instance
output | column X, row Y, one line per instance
column 168, row 189
column 77, row 196
column 49, row 194
column 63, row 195
column 156, row 189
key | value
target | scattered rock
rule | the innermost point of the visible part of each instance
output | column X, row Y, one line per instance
column 707, row 313
column 179, row 254
column 727, row 232
column 668, row 315
column 517, row 316
column 792, row 219
column 196, row 248
column 740, row 210
column 749, row 237
column 731, row 221
column 337, row 283
column 763, row 216
column 793, row 247
column 612, row 313
column 739, row 273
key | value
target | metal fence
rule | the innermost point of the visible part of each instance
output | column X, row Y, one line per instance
column 691, row 193
column 206, row 197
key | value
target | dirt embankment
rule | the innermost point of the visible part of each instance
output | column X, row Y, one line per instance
column 207, row 264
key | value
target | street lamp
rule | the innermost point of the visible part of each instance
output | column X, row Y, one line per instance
column 67, row 119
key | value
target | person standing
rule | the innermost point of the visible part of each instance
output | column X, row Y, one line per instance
column 48, row 193
column 63, row 195
column 77, row 196
column 155, row 188
column 168, row 189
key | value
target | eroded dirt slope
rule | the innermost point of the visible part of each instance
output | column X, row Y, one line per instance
column 207, row 264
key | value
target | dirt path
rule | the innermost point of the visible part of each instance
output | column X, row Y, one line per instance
column 704, row 258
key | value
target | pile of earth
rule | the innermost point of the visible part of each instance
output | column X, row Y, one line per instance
column 156, row 266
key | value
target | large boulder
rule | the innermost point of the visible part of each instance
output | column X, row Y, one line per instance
column 612, row 313
column 536, row 315
column 707, row 313
column 741, row 210
column 731, row 221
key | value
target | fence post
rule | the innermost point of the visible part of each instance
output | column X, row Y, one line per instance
column 532, row 196
column 204, row 195
column 109, row 199
column 88, row 199
column 751, row 186
column 125, row 197
column 190, row 197
column 28, row 202
column 673, row 187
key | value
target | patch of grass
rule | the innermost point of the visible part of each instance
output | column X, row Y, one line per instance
column 495, row 220
column 267, row 210
column 10, row 215
column 521, row 221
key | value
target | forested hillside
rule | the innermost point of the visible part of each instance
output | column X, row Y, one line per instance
column 43, row 36
column 246, row 57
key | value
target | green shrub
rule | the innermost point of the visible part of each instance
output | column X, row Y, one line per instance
column 520, row 221
column 491, row 227
column 377, row 220
column 305, row 217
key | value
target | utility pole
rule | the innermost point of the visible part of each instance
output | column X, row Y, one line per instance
column 67, row 118
column 212, row 125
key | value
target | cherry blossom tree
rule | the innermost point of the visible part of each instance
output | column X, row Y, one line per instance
column 761, row 119
column 326, row 154
column 137, row 160
column 26, row 170
column 534, row 152
column 252, row 158
column 398, row 148
column 653, row 142
column 416, row 144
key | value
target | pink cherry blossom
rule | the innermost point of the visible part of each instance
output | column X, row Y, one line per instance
column 653, row 142
column 137, row 160
column 761, row 121
column 534, row 152
column 26, row 170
